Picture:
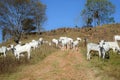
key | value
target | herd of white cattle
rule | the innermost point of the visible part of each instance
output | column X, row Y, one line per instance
column 63, row 43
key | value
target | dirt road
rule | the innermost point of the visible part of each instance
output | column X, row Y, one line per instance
column 61, row 65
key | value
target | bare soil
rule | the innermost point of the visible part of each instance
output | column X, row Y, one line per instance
column 61, row 65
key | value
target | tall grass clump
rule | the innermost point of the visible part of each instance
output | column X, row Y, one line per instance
column 10, row 64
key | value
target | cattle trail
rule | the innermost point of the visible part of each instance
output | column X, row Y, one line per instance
column 61, row 65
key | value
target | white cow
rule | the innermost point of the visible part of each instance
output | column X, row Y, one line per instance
column 117, row 37
column 104, row 49
column 94, row 47
column 66, row 42
column 34, row 44
column 114, row 46
column 55, row 41
column 3, row 50
column 18, row 49
column 79, row 39
column 75, row 43
column 40, row 41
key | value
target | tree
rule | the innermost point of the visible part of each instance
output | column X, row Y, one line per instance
column 40, row 16
column 13, row 13
column 98, row 12
column 28, row 25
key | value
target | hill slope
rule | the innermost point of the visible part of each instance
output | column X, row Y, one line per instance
column 49, row 63
column 60, row 65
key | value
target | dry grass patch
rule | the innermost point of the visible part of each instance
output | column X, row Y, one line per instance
column 49, row 63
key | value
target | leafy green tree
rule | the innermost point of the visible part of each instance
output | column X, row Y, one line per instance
column 98, row 12
column 14, row 12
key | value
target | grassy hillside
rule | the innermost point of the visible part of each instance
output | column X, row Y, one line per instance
column 105, row 32
column 109, row 69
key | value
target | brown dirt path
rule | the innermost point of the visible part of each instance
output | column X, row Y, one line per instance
column 61, row 65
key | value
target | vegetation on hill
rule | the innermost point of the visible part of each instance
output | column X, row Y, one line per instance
column 98, row 12
column 107, row 69
column 21, row 16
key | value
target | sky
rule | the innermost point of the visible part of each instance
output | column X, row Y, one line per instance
column 62, row 13
column 66, row 13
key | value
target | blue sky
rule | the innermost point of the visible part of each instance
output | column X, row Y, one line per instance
column 63, row 13
column 66, row 13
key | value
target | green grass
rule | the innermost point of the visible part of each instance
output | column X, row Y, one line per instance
column 109, row 69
